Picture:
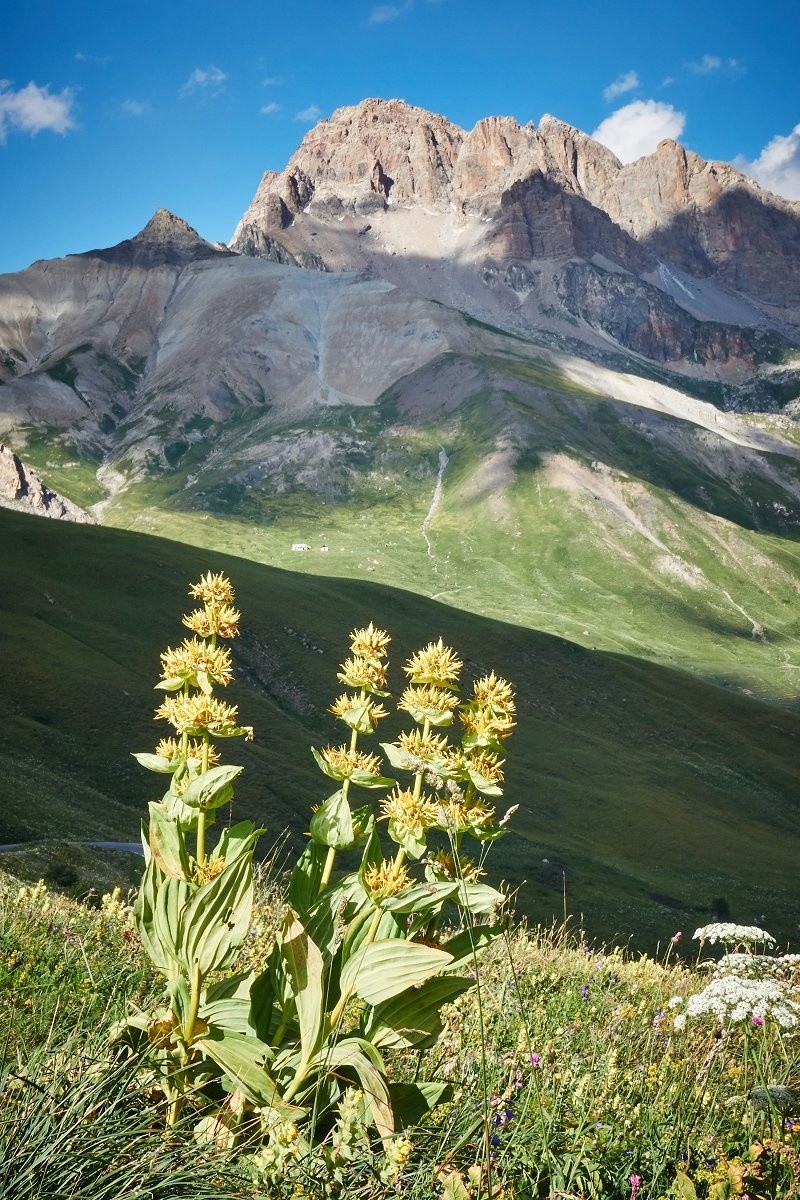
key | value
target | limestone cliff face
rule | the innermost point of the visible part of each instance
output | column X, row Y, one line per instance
column 383, row 180
column 22, row 487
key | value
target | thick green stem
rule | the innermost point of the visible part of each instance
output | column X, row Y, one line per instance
column 176, row 1103
column 200, row 854
column 338, row 1011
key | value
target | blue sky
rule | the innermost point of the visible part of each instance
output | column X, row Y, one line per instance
column 111, row 110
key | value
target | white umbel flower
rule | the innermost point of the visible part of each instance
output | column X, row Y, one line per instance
column 733, row 998
column 727, row 932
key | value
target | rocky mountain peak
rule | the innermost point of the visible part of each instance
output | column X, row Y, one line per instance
column 166, row 240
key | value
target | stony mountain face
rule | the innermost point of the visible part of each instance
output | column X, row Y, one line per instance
column 22, row 487
column 492, row 221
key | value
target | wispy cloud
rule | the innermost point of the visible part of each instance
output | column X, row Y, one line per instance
column 209, row 81
column 777, row 167
column 381, row 14
column 310, row 114
column 267, row 110
column 712, row 62
column 34, row 108
column 272, row 81
column 82, row 57
column 636, row 129
column 623, row 83
column 134, row 108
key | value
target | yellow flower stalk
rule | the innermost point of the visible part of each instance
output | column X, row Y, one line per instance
column 388, row 879
column 435, row 704
column 454, row 866
column 364, row 673
column 197, row 713
column 369, row 642
column 436, row 664
column 170, row 748
column 350, row 708
column 463, row 815
column 414, row 813
column 494, row 693
column 215, row 620
column 194, row 656
column 345, row 761
column 428, row 747
column 212, row 589
column 482, row 722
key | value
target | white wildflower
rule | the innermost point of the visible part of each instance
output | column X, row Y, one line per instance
column 732, row 998
column 727, row 932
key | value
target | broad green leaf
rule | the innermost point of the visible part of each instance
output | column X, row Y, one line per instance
column 363, row 779
column 242, row 1057
column 483, row 784
column 366, row 1063
column 385, row 969
column 332, row 823
column 167, row 844
column 203, row 682
column 239, row 839
column 215, row 921
column 686, row 1189
column 453, row 1187
column 421, row 898
column 170, row 685
column 411, row 1101
column 157, row 762
column 358, row 717
column 212, row 789
column 397, row 757
column 180, row 812
column 229, row 1013
column 389, row 927
column 306, row 877
column 180, row 1000
column 326, row 767
column 478, row 897
column 413, row 1017
column 465, row 946
column 363, row 823
column 303, row 964
column 171, row 897
column 334, row 909
column 145, row 916
column 413, row 844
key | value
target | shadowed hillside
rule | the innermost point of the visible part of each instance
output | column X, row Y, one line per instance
column 649, row 794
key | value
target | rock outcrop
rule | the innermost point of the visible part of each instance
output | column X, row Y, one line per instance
column 383, row 181
column 166, row 240
column 22, row 487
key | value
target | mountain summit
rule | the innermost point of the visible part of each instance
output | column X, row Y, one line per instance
column 166, row 240
column 525, row 226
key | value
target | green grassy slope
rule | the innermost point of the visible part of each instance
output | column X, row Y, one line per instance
column 563, row 510
column 651, row 793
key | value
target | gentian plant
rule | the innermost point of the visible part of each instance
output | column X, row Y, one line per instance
column 359, row 967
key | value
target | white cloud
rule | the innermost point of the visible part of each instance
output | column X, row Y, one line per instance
column 100, row 59
column 271, row 81
column 712, row 62
column 34, row 108
column 623, row 83
column 636, row 129
column 777, row 167
column 268, row 109
column 381, row 13
column 310, row 114
column 209, row 80
column 135, row 108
